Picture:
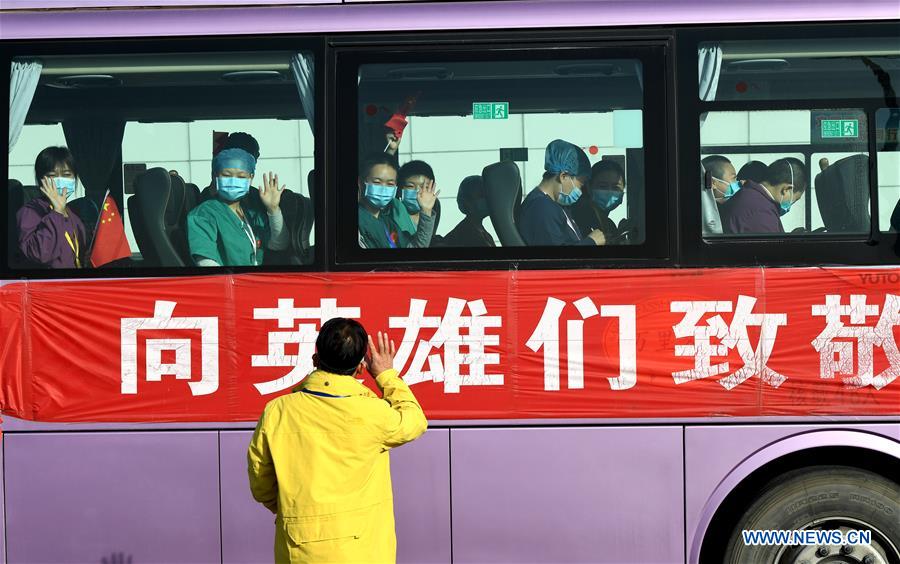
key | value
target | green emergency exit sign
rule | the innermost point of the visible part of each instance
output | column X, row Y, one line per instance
column 490, row 110
column 840, row 128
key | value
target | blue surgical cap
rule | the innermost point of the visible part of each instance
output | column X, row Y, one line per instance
column 233, row 158
column 562, row 156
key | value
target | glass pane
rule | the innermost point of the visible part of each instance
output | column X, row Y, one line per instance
column 452, row 154
column 797, row 69
column 780, row 173
column 141, row 138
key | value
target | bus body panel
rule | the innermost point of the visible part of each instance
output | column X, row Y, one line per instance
column 619, row 491
column 567, row 495
column 94, row 4
column 247, row 526
column 423, row 16
column 420, row 473
column 83, row 497
column 718, row 458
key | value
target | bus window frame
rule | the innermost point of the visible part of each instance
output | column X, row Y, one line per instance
column 351, row 52
column 314, row 44
column 872, row 248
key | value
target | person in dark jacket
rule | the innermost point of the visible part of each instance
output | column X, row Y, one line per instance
column 50, row 233
column 757, row 208
column 471, row 201
column 543, row 220
column 605, row 193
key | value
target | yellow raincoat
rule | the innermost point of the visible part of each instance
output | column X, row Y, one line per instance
column 319, row 461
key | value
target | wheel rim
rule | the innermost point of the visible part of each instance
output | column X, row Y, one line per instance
column 881, row 551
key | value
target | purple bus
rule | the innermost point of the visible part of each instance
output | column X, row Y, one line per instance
column 728, row 367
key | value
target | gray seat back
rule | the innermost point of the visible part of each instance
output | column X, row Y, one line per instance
column 503, row 192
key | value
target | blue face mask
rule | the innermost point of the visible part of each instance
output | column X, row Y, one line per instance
column 408, row 196
column 379, row 195
column 64, row 186
column 607, row 199
column 732, row 189
column 232, row 188
column 571, row 197
column 786, row 204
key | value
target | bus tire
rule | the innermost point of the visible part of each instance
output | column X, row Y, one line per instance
column 821, row 497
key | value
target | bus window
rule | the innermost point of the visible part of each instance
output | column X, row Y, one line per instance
column 797, row 69
column 778, row 173
column 103, row 175
column 504, row 153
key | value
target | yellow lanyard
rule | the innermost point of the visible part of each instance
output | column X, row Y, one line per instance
column 72, row 240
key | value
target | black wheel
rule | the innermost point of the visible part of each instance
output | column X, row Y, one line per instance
column 823, row 498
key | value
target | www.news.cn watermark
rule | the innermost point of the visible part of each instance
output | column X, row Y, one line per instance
column 810, row 537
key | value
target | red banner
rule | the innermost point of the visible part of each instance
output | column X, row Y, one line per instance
column 473, row 345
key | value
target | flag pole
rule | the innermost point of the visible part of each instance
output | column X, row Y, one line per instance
column 97, row 225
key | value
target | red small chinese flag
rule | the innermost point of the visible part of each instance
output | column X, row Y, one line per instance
column 110, row 242
column 397, row 124
column 398, row 121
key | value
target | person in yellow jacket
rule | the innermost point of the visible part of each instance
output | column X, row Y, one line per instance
column 319, row 456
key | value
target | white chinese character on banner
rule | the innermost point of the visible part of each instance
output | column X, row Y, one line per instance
column 304, row 336
column 729, row 337
column 837, row 356
column 449, row 337
column 546, row 336
column 181, row 348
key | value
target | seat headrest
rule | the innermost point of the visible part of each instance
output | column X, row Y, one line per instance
column 152, row 189
column 842, row 193
column 469, row 185
column 311, row 184
column 503, row 192
column 191, row 197
column 15, row 196
column 175, row 207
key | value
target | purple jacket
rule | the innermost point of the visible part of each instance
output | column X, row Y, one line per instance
column 42, row 235
column 752, row 210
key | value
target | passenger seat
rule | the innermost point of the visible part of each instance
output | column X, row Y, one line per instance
column 842, row 193
column 503, row 192
column 155, row 211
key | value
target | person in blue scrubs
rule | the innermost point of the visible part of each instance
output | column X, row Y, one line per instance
column 543, row 219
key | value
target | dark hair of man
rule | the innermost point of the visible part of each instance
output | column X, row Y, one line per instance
column 753, row 170
column 715, row 165
column 241, row 140
column 414, row 168
column 374, row 160
column 341, row 345
column 48, row 159
column 607, row 166
column 780, row 172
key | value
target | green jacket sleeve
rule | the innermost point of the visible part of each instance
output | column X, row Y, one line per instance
column 261, row 469
column 403, row 418
column 203, row 236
